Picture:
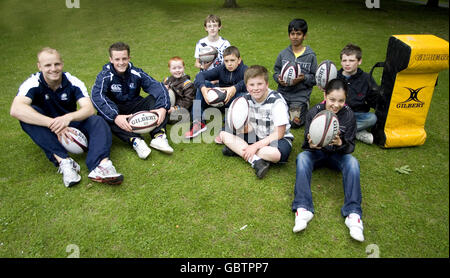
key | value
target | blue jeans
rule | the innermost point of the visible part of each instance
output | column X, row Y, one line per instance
column 365, row 120
column 346, row 163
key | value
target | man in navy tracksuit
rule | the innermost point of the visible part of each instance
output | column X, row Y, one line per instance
column 46, row 106
column 231, row 78
column 116, row 95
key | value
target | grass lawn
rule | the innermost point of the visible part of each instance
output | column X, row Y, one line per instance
column 195, row 202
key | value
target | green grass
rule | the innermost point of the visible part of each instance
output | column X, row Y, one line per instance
column 193, row 203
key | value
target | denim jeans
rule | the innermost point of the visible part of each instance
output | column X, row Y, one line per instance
column 365, row 120
column 346, row 163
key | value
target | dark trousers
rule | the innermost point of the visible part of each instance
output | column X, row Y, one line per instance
column 199, row 104
column 147, row 103
column 95, row 128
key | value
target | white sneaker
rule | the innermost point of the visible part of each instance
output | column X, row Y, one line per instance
column 364, row 136
column 141, row 148
column 106, row 173
column 355, row 225
column 161, row 143
column 302, row 217
column 69, row 169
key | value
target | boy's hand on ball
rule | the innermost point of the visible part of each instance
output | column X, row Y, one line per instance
column 281, row 81
column 299, row 79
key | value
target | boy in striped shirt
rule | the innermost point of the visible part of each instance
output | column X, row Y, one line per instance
column 266, row 138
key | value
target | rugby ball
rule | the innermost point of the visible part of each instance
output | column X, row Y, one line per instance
column 324, row 127
column 237, row 115
column 216, row 97
column 325, row 72
column 207, row 54
column 289, row 72
column 143, row 121
column 172, row 97
column 78, row 142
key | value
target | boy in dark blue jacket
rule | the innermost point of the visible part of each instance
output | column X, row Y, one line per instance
column 116, row 95
column 231, row 78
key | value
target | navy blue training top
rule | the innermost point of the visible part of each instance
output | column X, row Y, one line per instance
column 54, row 103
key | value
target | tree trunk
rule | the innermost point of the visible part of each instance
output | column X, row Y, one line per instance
column 230, row 4
column 433, row 3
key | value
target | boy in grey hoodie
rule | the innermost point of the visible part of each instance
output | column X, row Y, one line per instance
column 297, row 95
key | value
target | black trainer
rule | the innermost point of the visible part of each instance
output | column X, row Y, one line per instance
column 228, row 152
column 261, row 167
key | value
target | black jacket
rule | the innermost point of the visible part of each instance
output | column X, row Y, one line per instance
column 362, row 91
column 347, row 128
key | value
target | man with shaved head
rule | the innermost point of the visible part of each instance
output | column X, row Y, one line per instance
column 46, row 107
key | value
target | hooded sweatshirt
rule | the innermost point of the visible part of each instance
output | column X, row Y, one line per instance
column 308, row 66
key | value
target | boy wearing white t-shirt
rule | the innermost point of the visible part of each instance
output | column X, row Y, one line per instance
column 212, row 25
column 266, row 137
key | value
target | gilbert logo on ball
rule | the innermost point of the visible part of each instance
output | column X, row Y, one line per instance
column 143, row 121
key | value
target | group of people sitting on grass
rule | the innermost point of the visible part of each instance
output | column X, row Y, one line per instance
column 46, row 107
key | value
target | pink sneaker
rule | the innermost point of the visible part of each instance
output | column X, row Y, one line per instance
column 196, row 129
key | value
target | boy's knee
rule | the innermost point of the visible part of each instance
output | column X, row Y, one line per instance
column 373, row 119
column 352, row 163
column 276, row 157
column 301, row 157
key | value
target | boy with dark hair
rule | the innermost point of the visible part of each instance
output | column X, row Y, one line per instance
column 267, row 138
column 362, row 91
column 297, row 95
column 116, row 95
column 230, row 75
column 212, row 25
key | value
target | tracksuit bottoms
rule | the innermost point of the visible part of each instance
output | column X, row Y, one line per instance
column 95, row 128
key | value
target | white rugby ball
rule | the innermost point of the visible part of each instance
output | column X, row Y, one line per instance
column 78, row 142
column 289, row 72
column 172, row 97
column 324, row 127
column 326, row 71
column 238, row 112
column 143, row 121
column 207, row 54
column 216, row 97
